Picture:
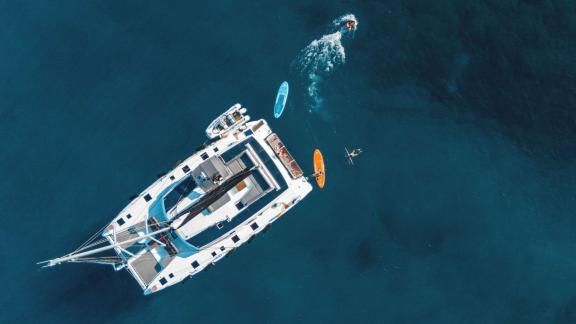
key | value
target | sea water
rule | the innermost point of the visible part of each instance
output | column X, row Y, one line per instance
column 459, row 211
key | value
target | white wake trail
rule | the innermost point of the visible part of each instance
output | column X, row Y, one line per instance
column 317, row 60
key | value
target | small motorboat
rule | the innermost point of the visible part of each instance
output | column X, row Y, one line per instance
column 351, row 24
column 232, row 119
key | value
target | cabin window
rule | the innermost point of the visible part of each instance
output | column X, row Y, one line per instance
column 163, row 281
column 120, row 222
column 254, row 226
column 147, row 197
column 204, row 156
column 235, row 238
column 186, row 169
column 195, row 264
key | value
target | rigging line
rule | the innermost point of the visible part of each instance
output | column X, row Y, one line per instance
column 91, row 241
column 95, row 243
column 92, row 238
column 111, row 261
column 97, row 258
column 104, row 240
column 181, row 194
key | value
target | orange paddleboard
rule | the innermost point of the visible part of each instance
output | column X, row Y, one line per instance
column 319, row 170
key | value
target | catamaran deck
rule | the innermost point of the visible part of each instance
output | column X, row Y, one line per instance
column 147, row 267
column 229, row 190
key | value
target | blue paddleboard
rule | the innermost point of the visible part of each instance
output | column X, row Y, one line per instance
column 281, row 98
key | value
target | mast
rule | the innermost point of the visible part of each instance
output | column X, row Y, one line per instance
column 74, row 256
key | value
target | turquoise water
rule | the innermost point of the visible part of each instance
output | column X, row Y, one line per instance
column 459, row 211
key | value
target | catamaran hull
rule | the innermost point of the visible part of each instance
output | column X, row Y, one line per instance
column 222, row 196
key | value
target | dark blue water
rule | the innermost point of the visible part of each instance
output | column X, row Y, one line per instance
column 460, row 211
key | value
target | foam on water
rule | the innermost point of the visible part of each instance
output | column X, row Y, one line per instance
column 317, row 60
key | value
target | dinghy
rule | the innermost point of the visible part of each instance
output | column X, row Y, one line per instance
column 232, row 119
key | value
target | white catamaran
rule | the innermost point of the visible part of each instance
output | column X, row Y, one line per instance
column 220, row 197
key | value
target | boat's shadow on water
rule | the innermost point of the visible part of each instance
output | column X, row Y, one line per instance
column 94, row 294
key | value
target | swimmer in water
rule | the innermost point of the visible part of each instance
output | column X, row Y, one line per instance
column 351, row 155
